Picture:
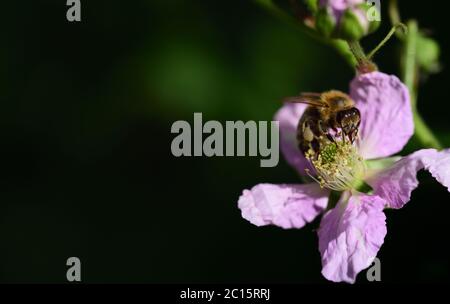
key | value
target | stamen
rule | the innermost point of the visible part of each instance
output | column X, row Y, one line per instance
column 338, row 165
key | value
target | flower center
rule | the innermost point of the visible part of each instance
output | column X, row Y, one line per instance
column 338, row 165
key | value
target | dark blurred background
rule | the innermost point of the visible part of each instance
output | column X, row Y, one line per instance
column 87, row 169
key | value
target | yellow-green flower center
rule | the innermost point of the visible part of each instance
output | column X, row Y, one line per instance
column 338, row 165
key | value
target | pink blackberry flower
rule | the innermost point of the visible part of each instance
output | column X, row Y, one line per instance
column 351, row 233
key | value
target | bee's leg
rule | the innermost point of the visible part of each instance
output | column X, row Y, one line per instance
column 353, row 135
column 330, row 138
column 306, row 136
column 313, row 136
column 315, row 146
column 324, row 130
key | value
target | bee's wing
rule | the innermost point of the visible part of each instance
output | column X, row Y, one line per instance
column 311, row 94
column 312, row 99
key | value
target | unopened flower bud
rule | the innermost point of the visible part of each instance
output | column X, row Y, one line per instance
column 346, row 19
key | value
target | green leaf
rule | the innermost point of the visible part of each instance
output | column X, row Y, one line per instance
column 428, row 53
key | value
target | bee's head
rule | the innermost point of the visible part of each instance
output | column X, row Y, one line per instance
column 348, row 120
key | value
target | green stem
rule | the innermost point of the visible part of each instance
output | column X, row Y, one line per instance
column 386, row 39
column 365, row 65
column 409, row 64
column 423, row 133
column 357, row 51
column 339, row 45
column 394, row 15
column 342, row 48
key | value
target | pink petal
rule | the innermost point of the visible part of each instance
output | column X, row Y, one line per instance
column 337, row 7
column 288, row 117
column 396, row 183
column 386, row 116
column 350, row 236
column 286, row 206
column 439, row 167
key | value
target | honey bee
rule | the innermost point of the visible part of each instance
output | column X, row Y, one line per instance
column 328, row 111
